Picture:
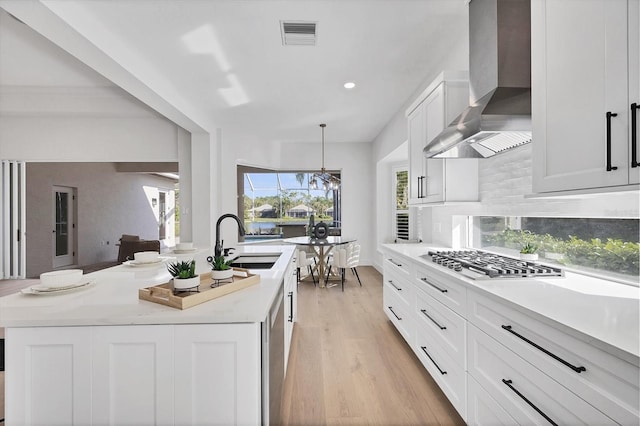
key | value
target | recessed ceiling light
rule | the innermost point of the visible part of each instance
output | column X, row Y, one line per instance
column 349, row 85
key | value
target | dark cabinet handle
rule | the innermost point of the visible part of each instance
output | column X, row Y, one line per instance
column 634, row 134
column 290, row 306
column 394, row 314
column 540, row 348
column 424, row 349
column 509, row 383
column 420, row 186
column 394, row 286
column 397, row 264
column 434, row 321
column 609, row 166
column 441, row 290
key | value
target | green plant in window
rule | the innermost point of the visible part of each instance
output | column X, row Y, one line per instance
column 529, row 248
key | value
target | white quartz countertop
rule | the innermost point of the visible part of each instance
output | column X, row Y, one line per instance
column 112, row 298
column 603, row 313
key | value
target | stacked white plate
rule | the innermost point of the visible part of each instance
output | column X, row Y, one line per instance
column 42, row 290
column 58, row 282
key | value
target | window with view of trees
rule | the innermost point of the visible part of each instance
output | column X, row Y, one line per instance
column 401, row 207
column 599, row 246
column 280, row 204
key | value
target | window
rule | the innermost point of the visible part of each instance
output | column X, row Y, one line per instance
column 280, row 204
column 401, row 206
column 597, row 246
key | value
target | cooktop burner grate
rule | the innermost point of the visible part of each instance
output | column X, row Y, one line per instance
column 489, row 265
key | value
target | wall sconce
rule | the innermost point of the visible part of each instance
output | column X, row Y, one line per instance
column 154, row 202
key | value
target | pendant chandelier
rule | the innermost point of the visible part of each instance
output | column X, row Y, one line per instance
column 323, row 179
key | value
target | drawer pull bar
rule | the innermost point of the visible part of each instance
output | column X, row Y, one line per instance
column 434, row 321
column 531, row 404
column 540, row 348
column 397, row 264
column 394, row 286
column 394, row 314
column 441, row 290
column 424, row 349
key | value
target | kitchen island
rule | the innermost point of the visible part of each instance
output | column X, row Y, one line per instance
column 102, row 356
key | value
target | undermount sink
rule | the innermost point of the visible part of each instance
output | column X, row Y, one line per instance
column 256, row 260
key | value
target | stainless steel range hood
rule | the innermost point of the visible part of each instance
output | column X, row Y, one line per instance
column 499, row 117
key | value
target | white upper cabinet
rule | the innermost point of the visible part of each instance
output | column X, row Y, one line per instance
column 584, row 80
column 435, row 108
column 634, row 89
column 430, row 181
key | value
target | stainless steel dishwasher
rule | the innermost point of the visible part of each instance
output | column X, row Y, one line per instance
column 273, row 361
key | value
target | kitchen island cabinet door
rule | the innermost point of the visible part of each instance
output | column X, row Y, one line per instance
column 217, row 374
column 48, row 377
column 579, row 75
column 132, row 375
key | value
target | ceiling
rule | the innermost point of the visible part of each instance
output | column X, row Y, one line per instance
column 226, row 60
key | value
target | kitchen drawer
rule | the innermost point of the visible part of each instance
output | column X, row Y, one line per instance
column 608, row 383
column 399, row 265
column 443, row 288
column 449, row 375
column 482, row 409
column 401, row 286
column 448, row 329
column 398, row 312
column 528, row 395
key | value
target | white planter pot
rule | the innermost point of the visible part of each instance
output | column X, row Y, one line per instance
column 222, row 275
column 530, row 257
column 186, row 283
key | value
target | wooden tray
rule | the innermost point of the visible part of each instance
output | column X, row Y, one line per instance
column 163, row 293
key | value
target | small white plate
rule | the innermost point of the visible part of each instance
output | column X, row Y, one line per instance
column 143, row 264
column 185, row 251
column 40, row 289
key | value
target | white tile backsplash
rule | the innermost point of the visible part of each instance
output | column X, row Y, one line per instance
column 504, row 180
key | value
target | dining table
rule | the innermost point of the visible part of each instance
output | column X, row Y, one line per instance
column 322, row 248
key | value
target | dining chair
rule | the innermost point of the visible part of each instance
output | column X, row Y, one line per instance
column 346, row 258
column 304, row 260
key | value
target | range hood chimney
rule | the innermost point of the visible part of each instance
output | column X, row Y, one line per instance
column 499, row 117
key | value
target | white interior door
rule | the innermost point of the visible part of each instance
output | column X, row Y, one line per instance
column 63, row 226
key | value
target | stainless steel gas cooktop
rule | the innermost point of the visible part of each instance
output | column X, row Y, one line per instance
column 479, row 264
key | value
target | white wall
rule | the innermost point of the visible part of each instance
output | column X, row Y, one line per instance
column 109, row 204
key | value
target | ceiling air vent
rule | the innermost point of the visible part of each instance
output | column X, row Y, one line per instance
column 298, row 33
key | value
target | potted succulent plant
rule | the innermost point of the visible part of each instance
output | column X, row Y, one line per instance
column 529, row 252
column 184, row 274
column 220, row 268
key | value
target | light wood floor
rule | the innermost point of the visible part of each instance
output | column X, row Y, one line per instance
column 349, row 365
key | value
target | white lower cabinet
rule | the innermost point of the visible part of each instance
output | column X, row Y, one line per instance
column 448, row 374
column 132, row 376
column 290, row 308
column 482, row 409
column 398, row 311
column 498, row 365
column 124, row 375
column 608, row 383
column 527, row 394
column 48, row 376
